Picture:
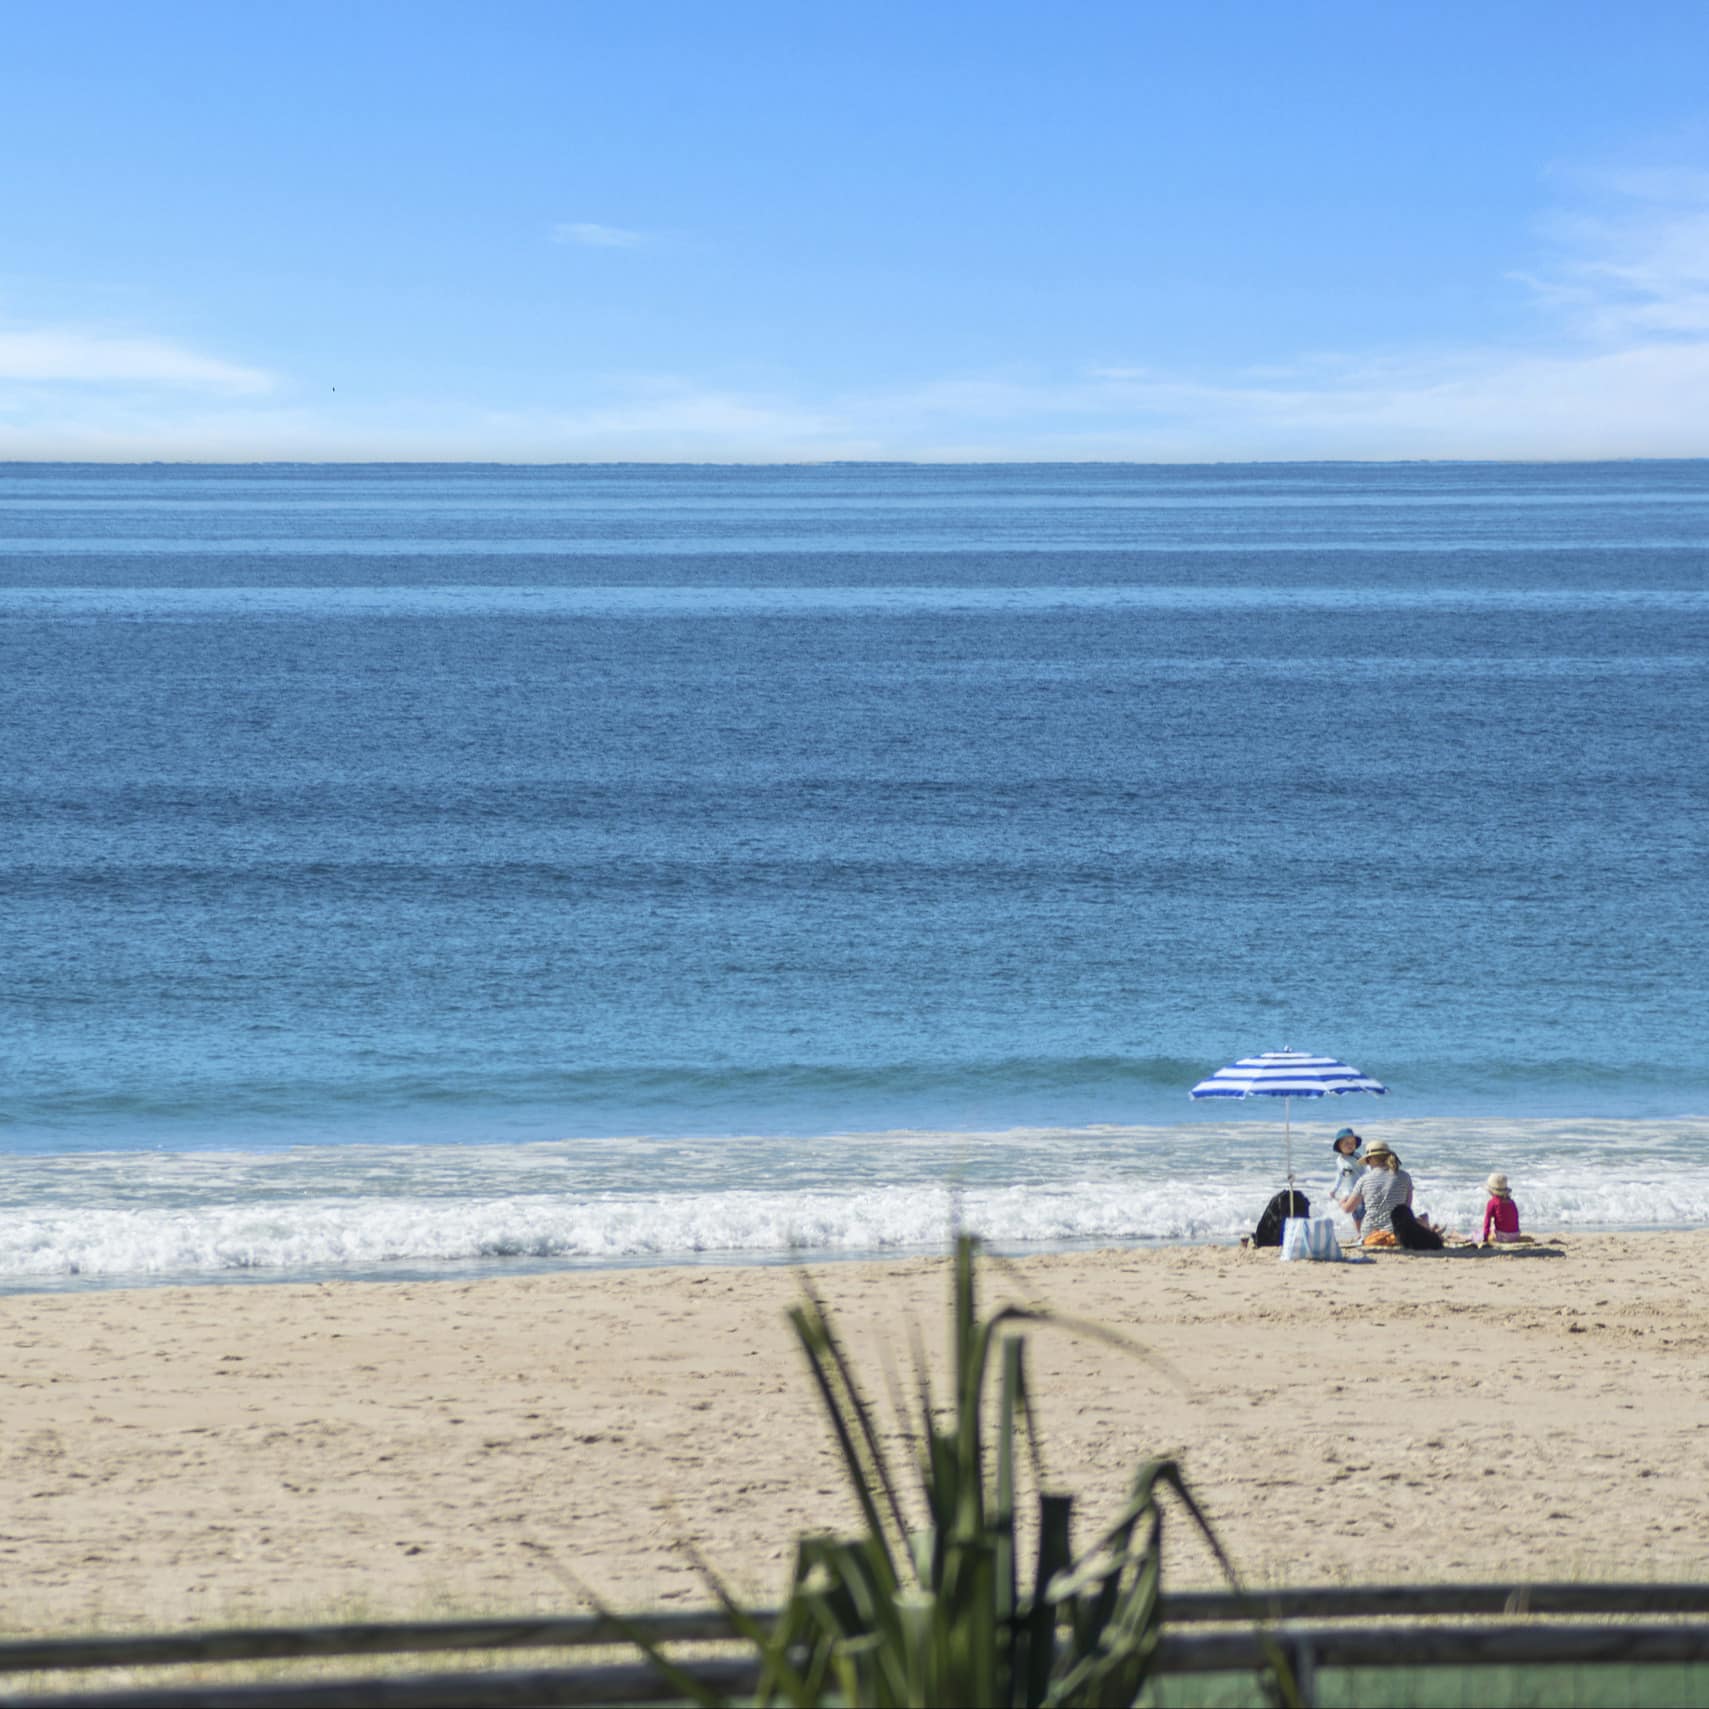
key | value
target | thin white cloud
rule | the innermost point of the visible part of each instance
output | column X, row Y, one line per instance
column 594, row 236
column 1634, row 262
column 1614, row 364
column 1617, row 366
column 66, row 355
column 1643, row 401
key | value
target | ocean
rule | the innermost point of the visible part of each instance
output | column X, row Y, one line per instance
column 428, row 869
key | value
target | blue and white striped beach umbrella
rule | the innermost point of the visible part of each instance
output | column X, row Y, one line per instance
column 1285, row 1074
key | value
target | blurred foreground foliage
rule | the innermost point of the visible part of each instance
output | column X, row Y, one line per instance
column 909, row 1617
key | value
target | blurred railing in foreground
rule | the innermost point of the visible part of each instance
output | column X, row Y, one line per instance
column 1321, row 1630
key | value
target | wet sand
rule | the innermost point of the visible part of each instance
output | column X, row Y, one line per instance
column 233, row 1453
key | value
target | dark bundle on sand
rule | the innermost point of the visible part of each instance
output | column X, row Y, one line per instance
column 1411, row 1233
column 1279, row 1209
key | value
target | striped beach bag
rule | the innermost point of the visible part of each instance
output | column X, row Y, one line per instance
column 1311, row 1237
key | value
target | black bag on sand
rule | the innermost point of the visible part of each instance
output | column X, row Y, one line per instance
column 1411, row 1233
column 1269, row 1229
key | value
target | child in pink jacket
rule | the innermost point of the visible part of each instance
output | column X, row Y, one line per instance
column 1502, row 1212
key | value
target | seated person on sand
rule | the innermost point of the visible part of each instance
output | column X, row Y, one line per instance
column 1503, row 1213
column 1383, row 1185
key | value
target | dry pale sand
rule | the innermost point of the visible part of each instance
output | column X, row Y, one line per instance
column 241, row 1452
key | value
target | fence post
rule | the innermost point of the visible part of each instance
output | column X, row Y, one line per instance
column 1304, row 1659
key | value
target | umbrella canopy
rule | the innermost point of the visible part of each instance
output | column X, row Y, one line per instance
column 1285, row 1074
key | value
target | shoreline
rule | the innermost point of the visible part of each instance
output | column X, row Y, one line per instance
column 413, row 1273
column 430, row 1212
column 202, row 1455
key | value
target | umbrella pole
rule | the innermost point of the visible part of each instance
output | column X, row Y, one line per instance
column 1288, row 1132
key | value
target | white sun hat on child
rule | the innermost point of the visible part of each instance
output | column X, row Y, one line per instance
column 1497, row 1183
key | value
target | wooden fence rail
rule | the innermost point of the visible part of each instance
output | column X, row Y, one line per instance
column 1496, row 1624
column 583, row 1631
column 1431, row 1601
column 1510, row 1644
column 577, row 1688
column 273, row 1643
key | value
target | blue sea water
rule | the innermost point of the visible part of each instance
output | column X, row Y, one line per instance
column 411, row 865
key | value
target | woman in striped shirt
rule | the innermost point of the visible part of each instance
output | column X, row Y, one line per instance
column 1383, row 1185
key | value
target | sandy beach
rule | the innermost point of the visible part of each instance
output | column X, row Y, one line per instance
column 220, row 1453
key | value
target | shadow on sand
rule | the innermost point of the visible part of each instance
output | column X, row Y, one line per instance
column 1540, row 1249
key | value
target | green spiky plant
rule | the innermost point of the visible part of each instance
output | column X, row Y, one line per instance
column 903, row 1618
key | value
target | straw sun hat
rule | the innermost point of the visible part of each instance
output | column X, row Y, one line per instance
column 1497, row 1183
column 1377, row 1148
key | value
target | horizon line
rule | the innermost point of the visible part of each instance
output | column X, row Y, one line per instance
column 827, row 462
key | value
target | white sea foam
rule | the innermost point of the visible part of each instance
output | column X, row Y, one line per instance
column 365, row 1211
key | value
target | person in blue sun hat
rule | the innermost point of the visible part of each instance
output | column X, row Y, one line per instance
column 1347, row 1171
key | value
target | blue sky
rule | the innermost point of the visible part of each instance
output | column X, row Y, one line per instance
column 736, row 232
